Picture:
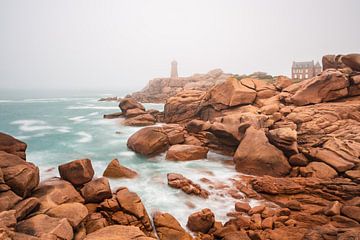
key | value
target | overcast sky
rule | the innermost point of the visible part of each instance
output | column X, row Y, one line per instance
column 121, row 44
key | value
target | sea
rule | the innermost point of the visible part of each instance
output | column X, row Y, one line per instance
column 68, row 125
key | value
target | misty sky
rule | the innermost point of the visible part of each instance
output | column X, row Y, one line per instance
column 98, row 44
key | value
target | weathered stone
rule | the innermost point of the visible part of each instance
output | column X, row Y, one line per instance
column 351, row 212
column 176, row 180
column 319, row 170
column 77, row 172
column 333, row 209
column 331, row 158
column 298, row 160
column 201, row 221
column 116, row 170
column 232, row 93
column 330, row 85
column 96, row 190
column 7, row 219
column 130, row 103
column 140, row 120
column 42, row 224
column 118, row 232
column 12, row 145
column 266, row 160
column 148, row 141
column 75, row 213
column 8, row 200
column 184, row 152
column 131, row 204
column 21, row 176
column 53, row 192
column 168, row 228
column 25, row 207
column 242, row 207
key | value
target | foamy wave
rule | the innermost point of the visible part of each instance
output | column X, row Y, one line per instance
column 91, row 107
column 85, row 137
column 78, row 119
column 6, row 101
column 93, row 114
column 31, row 125
column 127, row 154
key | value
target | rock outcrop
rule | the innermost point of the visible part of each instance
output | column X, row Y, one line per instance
column 160, row 89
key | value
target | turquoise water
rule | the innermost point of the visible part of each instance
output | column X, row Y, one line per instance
column 61, row 129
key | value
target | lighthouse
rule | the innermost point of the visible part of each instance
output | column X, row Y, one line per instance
column 174, row 71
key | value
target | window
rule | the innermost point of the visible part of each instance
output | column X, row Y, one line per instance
column 300, row 76
column 295, row 76
column 306, row 70
column 306, row 75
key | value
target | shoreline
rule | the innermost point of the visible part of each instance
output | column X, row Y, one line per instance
column 295, row 146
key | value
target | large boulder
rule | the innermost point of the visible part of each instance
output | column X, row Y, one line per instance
column 75, row 213
column 96, row 190
column 42, row 225
column 256, row 156
column 12, row 145
column 328, row 86
column 21, row 176
column 168, row 228
column 77, row 172
column 184, row 152
column 118, row 232
column 183, row 106
column 201, row 221
column 352, row 61
column 116, row 170
column 53, row 192
column 131, row 211
column 148, row 141
column 140, row 120
column 130, row 103
column 232, row 93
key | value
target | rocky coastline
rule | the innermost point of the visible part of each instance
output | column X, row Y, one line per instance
column 296, row 145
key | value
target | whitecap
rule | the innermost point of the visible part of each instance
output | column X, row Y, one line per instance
column 93, row 114
column 127, row 153
column 6, row 101
column 92, row 107
column 78, row 119
column 33, row 125
column 63, row 129
column 85, row 137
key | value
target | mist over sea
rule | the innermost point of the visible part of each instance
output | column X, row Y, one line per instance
column 63, row 126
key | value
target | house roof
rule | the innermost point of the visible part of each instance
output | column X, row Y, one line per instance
column 317, row 64
column 303, row 64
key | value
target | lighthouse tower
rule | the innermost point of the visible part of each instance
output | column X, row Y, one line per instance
column 174, row 71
